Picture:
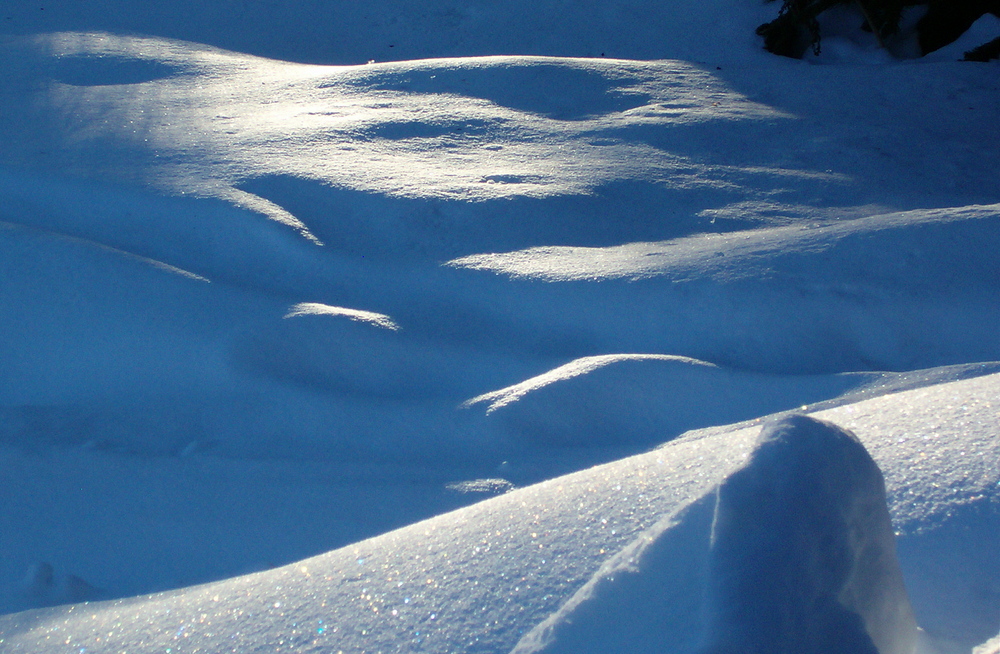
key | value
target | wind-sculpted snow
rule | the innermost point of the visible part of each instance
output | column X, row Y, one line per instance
column 968, row 231
column 794, row 552
column 503, row 397
column 819, row 286
column 252, row 311
column 317, row 309
column 802, row 553
column 478, row 578
column 633, row 400
column 370, row 128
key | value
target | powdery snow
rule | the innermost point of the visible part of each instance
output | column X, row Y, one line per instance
column 801, row 557
column 263, row 316
column 476, row 579
column 317, row 309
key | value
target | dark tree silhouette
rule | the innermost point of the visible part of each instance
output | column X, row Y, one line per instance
column 796, row 29
column 946, row 20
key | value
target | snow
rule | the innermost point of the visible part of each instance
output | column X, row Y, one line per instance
column 317, row 309
column 801, row 558
column 802, row 550
column 493, row 570
column 453, row 350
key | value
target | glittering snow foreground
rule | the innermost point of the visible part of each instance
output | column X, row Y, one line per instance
column 254, row 311
column 481, row 577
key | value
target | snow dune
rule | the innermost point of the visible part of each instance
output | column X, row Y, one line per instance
column 275, row 319
column 478, row 578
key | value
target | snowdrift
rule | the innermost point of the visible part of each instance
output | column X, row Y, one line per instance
column 275, row 320
column 616, row 556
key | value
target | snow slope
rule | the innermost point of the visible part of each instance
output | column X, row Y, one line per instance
column 255, row 310
column 478, row 578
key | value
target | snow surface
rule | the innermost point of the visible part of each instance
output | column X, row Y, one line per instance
column 275, row 328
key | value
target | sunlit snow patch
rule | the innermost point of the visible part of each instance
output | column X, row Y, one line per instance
column 484, row 486
column 728, row 254
column 317, row 309
column 504, row 396
column 992, row 646
column 195, row 119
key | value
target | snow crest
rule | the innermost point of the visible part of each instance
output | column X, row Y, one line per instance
column 803, row 557
column 794, row 552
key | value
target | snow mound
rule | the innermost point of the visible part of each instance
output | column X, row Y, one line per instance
column 801, row 559
column 480, row 578
column 595, row 409
column 843, row 295
column 232, row 340
column 645, row 399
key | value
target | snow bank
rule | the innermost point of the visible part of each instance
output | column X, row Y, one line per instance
column 803, row 556
column 479, row 578
column 795, row 553
column 232, row 338
column 843, row 296
column 641, row 400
